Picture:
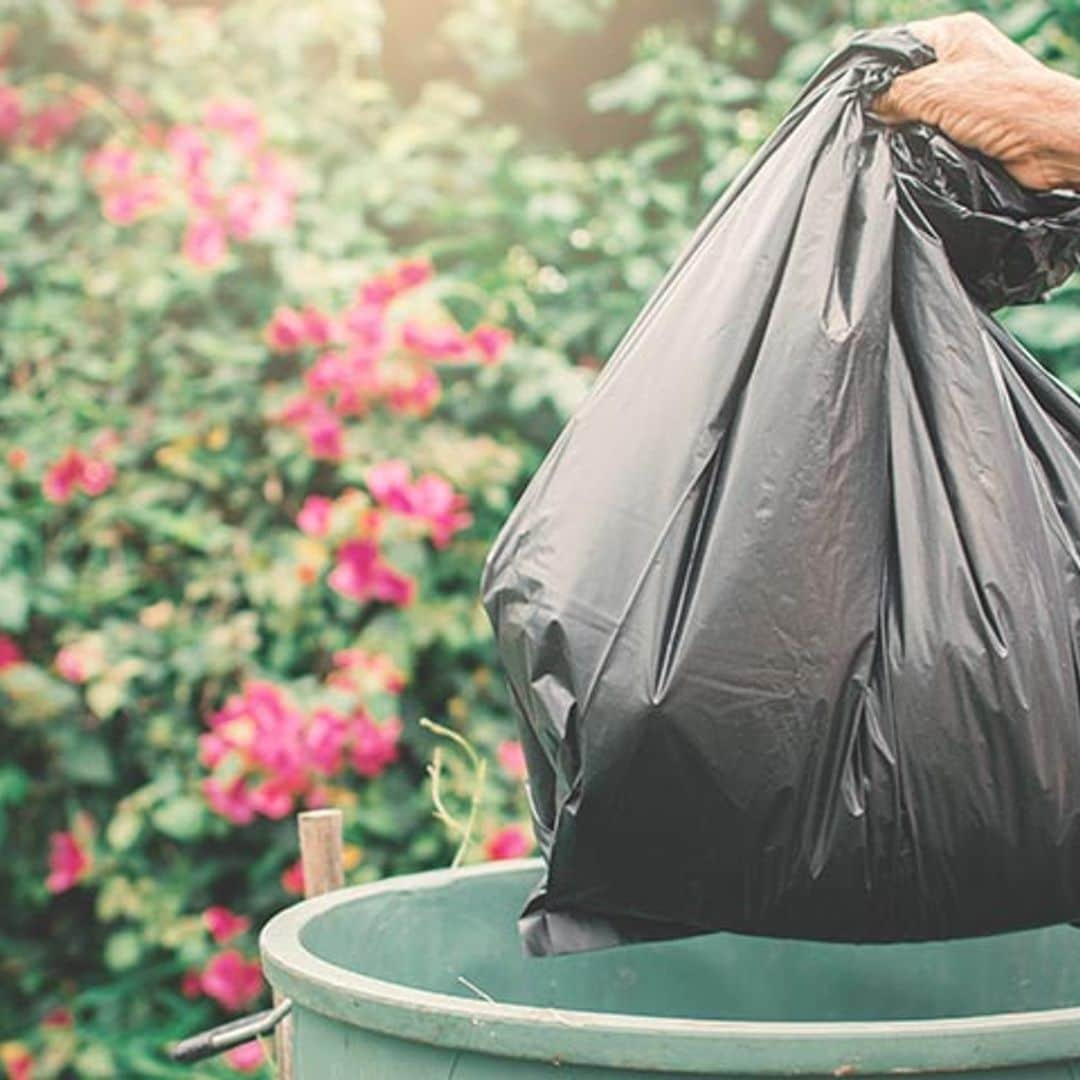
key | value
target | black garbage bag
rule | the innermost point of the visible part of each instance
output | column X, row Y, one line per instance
column 790, row 612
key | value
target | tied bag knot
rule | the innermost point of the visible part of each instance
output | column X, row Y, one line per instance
column 1006, row 243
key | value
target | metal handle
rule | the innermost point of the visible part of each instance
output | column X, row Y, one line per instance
column 226, row 1036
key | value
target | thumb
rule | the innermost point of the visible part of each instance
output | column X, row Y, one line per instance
column 888, row 106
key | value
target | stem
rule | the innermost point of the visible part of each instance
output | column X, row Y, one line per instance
column 479, row 768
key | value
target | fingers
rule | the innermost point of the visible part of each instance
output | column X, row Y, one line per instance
column 968, row 36
column 887, row 108
column 908, row 98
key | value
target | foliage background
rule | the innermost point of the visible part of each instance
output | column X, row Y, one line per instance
column 548, row 157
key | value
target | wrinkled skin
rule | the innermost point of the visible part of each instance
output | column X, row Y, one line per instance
column 987, row 93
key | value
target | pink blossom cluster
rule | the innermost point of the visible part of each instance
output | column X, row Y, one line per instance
column 360, row 570
column 17, row 1061
column 362, row 574
column 266, row 755
column 231, row 185
column 224, row 924
column 229, row 978
column 232, row 980
column 509, row 842
column 70, row 860
column 429, row 499
column 127, row 194
column 75, row 471
column 511, row 756
column 42, row 128
column 292, row 878
column 11, row 655
column 367, row 356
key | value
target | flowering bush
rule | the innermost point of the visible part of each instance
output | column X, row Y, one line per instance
column 282, row 341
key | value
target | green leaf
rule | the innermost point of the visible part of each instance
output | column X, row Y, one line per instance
column 33, row 696
column 14, row 601
column 182, row 818
column 122, row 950
column 85, row 758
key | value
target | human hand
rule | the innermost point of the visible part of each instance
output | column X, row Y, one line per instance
column 986, row 92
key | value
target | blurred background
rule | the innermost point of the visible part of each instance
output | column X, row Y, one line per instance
column 294, row 295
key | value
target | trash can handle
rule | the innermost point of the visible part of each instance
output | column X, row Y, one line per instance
column 224, row 1037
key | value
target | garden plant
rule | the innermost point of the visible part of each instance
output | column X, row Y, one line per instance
column 294, row 296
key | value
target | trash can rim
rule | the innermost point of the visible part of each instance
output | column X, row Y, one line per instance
column 645, row 1042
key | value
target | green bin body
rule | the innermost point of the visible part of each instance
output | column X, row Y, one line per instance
column 422, row 978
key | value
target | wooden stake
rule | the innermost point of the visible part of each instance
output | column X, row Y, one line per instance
column 322, row 859
column 321, row 851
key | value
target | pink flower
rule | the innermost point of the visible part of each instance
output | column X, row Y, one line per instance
column 255, row 211
column 314, row 516
column 242, row 204
column 97, row 476
column 376, row 293
column 411, row 273
column 233, row 982
column 236, row 118
column 286, row 330
column 379, row 291
column 63, row 476
column 327, row 735
column 436, row 502
column 273, row 799
column 389, row 482
column 17, row 1061
column 69, row 863
column 75, row 470
column 111, row 164
column 70, row 664
column 273, row 173
column 10, row 653
column 445, row 342
column 430, row 499
column 509, row 842
column 246, row 1057
column 205, row 242
column 292, row 878
column 374, row 746
column 50, row 124
column 319, row 328
column 325, row 436
column 231, row 800
column 189, row 150
column 191, row 983
column 416, row 398
column 365, row 324
column 11, row 113
column 361, row 575
column 511, row 757
column 491, row 342
column 350, row 377
column 224, row 924
column 201, row 195
column 128, row 202
column 5, row 281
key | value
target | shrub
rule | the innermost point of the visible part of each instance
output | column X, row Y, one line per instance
column 286, row 328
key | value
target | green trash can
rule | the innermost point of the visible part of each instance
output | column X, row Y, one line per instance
column 422, row 978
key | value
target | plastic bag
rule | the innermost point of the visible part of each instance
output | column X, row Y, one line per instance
column 790, row 610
